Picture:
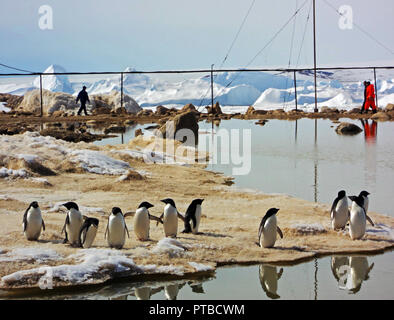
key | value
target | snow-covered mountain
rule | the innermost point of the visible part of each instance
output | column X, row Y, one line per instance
column 341, row 89
column 55, row 83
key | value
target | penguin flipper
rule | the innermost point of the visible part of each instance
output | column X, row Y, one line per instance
column 152, row 217
column 160, row 219
column 280, row 273
column 129, row 214
column 82, row 233
column 280, row 232
column 370, row 220
column 65, row 223
column 66, row 238
column 188, row 228
column 25, row 219
column 43, row 224
column 180, row 216
column 127, row 230
column 106, row 231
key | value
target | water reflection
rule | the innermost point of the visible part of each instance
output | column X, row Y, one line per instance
column 370, row 130
column 350, row 272
column 269, row 277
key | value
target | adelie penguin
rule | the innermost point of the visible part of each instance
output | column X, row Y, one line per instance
column 72, row 225
column 340, row 211
column 116, row 229
column 268, row 229
column 33, row 222
column 364, row 194
column 88, row 232
column 358, row 218
column 170, row 218
column 193, row 216
column 142, row 219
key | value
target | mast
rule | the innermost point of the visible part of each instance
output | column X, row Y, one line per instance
column 314, row 51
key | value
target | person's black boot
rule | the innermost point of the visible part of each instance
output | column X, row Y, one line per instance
column 373, row 111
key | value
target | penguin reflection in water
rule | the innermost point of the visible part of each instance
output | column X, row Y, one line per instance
column 116, row 229
column 269, row 280
column 33, row 222
column 170, row 218
column 268, row 229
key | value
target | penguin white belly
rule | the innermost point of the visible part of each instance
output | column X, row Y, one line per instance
column 141, row 224
column 198, row 218
column 170, row 221
column 116, row 232
column 366, row 204
column 268, row 237
column 90, row 236
column 358, row 271
column 341, row 215
column 171, row 291
column 74, row 226
column 357, row 223
column 269, row 276
column 142, row 293
column 34, row 224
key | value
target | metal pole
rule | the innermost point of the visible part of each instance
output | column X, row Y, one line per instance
column 41, row 102
column 295, row 90
column 121, row 89
column 376, row 89
column 314, row 51
column 212, row 85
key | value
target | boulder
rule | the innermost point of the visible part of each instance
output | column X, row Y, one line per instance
column 380, row 116
column 187, row 108
column 145, row 113
column 185, row 120
column 113, row 102
column 138, row 132
column 346, row 128
column 389, row 107
column 215, row 110
column 250, row 111
column 354, row 110
column 161, row 111
column 328, row 110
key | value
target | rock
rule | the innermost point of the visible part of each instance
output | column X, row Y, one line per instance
column 128, row 122
column 381, row 116
column 113, row 102
column 145, row 113
column 138, row 132
column 215, row 110
column 261, row 122
column 187, row 108
column 346, row 128
column 12, row 101
column 328, row 110
column 389, row 107
column 160, row 110
column 354, row 110
column 250, row 111
column 185, row 120
column 115, row 128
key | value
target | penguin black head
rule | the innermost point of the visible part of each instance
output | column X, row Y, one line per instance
column 271, row 212
column 145, row 204
column 169, row 201
column 357, row 199
column 71, row 205
column 34, row 204
column 364, row 194
column 341, row 194
column 116, row 210
column 197, row 201
column 92, row 221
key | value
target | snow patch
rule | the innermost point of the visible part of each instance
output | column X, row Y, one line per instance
column 37, row 254
column 170, row 246
column 3, row 108
column 312, row 228
column 200, row 267
column 5, row 172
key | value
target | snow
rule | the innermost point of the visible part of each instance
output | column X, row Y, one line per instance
column 58, row 206
column 169, row 246
column 96, row 162
column 37, row 254
column 4, row 108
column 306, row 228
column 199, row 267
column 55, row 83
column 27, row 157
column 5, row 172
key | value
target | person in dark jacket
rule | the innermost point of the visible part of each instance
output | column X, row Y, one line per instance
column 83, row 96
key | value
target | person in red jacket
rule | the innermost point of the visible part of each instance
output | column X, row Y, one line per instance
column 369, row 98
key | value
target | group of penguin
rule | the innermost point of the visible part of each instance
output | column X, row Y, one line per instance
column 81, row 231
column 339, row 213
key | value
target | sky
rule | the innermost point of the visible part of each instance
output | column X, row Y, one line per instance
column 101, row 35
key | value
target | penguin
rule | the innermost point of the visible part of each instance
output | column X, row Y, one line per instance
column 359, row 272
column 365, row 195
column 88, row 232
column 73, row 224
column 268, row 229
column 171, row 291
column 339, row 265
column 193, row 214
column 116, row 229
column 357, row 224
column 141, row 221
column 269, row 277
column 33, row 222
column 170, row 218
column 143, row 293
column 340, row 211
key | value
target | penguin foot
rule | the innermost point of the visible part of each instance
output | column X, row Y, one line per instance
column 65, row 241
